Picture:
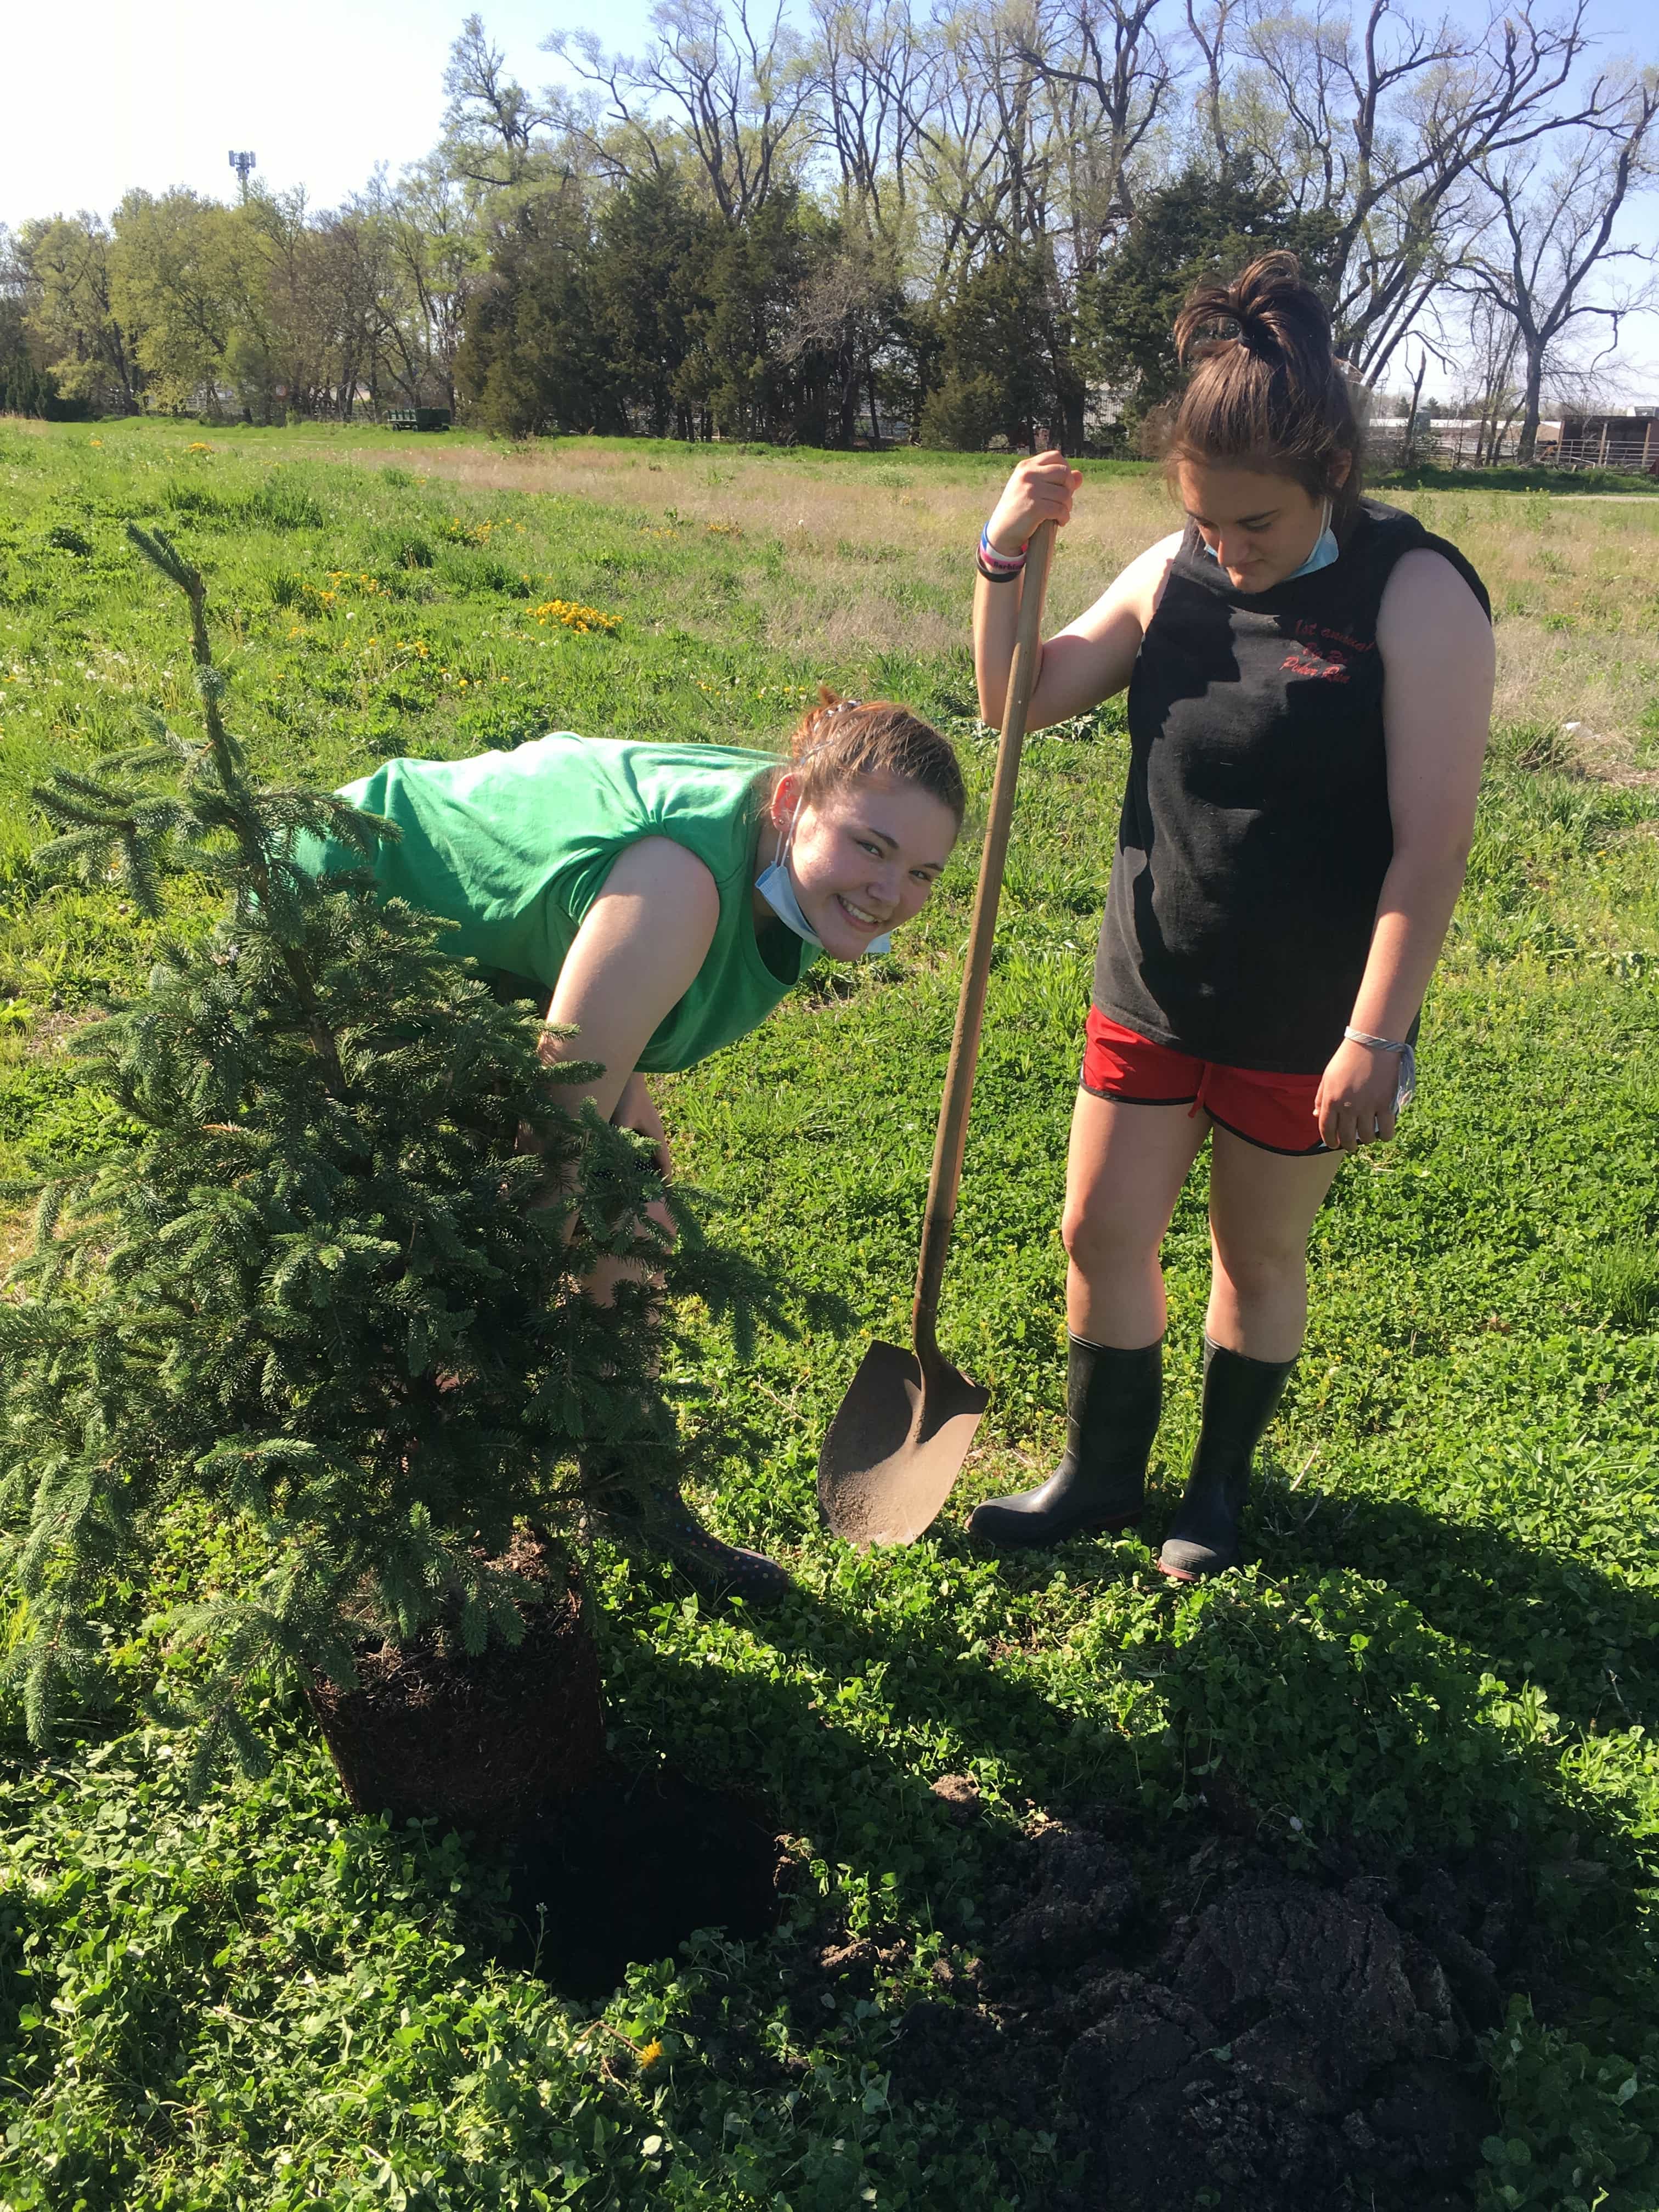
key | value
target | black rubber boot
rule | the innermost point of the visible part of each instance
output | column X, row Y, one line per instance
column 1239, row 1397
column 1113, row 1401
column 649, row 1516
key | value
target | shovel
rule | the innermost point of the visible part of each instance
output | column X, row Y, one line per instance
column 902, row 1431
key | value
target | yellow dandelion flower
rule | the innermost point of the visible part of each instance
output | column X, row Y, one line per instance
column 573, row 615
column 650, row 2053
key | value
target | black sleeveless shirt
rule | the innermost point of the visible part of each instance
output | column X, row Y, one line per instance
column 1256, row 832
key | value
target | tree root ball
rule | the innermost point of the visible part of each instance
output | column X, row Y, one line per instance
column 486, row 1743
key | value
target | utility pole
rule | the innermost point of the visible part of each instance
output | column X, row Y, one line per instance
column 243, row 165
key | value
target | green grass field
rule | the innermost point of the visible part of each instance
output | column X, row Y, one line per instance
column 1448, row 1653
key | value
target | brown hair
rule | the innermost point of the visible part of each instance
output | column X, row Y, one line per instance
column 841, row 739
column 1268, row 393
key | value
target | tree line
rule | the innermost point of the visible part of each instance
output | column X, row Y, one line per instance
column 974, row 222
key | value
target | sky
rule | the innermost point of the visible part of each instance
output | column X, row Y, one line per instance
column 323, row 90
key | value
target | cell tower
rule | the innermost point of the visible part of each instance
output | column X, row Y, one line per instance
column 243, row 165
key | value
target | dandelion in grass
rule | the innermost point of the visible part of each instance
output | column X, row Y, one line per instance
column 573, row 615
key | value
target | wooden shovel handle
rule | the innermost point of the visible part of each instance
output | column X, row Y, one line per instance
column 945, row 1178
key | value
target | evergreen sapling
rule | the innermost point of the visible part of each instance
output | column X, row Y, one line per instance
column 335, row 1291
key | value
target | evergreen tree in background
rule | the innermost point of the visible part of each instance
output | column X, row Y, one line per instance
column 536, row 359
column 331, row 1295
column 26, row 388
column 1198, row 228
column 1005, row 366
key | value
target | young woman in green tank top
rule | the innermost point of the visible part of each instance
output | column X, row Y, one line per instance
column 662, row 899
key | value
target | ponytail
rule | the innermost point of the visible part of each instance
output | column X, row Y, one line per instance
column 1269, row 392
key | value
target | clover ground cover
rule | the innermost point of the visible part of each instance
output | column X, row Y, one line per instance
column 1447, row 1650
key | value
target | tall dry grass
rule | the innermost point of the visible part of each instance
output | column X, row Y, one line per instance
column 877, row 557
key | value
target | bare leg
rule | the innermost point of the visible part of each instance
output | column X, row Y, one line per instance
column 1261, row 1208
column 1126, row 1165
column 1124, row 1173
column 659, row 1516
column 1262, row 1205
column 636, row 1109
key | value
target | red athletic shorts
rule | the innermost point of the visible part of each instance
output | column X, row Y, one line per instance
column 1274, row 1111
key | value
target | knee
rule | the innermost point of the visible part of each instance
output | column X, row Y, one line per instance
column 1262, row 1271
column 1098, row 1239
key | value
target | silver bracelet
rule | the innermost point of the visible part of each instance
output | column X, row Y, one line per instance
column 1376, row 1043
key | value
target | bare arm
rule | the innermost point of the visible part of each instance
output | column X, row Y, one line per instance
column 634, row 959
column 1438, row 667
column 1092, row 658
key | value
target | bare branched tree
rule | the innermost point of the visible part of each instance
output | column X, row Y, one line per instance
column 1385, row 121
column 730, row 85
column 872, row 69
column 490, row 123
column 1556, row 233
column 1107, row 61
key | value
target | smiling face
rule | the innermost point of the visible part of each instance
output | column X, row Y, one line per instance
column 1261, row 526
column 864, row 857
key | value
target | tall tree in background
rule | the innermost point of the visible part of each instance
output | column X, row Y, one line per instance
column 180, row 279
column 534, row 358
column 656, row 242
column 739, row 375
column 1113, row 79
column 490, row 123
column 439, row 257
column 725, row 88
column 1007, row 363
column 872, row 69
column 27, row 385
column 1557, row 229
column 1382, row 122
column 89, row 351
column 851, row 311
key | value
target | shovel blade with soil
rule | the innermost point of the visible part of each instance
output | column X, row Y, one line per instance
column 897, row 1443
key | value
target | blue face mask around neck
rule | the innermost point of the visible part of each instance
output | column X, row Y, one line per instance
column 1325, row 551
column 777, row 887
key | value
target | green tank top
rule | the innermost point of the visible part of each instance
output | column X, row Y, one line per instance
column 515, row 848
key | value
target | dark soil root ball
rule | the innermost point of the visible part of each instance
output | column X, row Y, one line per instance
column 484, row 1744
column 1251, row 2040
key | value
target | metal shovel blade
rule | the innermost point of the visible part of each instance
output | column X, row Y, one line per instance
column 896, row 1447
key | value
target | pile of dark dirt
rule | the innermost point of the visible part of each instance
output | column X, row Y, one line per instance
column 1218, row 2026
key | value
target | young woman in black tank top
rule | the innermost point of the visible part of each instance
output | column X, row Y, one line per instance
column 1310, row 679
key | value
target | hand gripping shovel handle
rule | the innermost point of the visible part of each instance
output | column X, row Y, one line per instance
column 945, row 1178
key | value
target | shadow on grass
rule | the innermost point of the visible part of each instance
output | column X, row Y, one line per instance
column 1587, row 1638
